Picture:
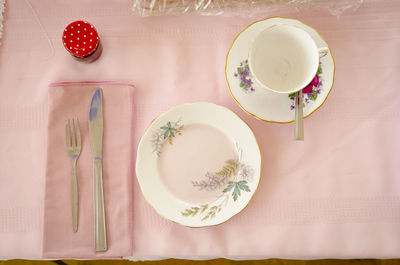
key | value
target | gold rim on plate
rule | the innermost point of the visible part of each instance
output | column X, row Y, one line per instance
column 252, row 195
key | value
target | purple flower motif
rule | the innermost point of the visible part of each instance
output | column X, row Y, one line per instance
column 247, row 61
column 292, row 98
column 249, row 82
column 212, row 182
column 243, row 73
column 247, row 173
column 291, row 107
column 318, row 91
column 307, row 100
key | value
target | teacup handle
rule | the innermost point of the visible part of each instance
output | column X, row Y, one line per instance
column 323, row 51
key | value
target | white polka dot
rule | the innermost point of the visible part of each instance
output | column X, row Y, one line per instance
column 65, row 29
column 83, row 49
column 70, row 47
column 64, row 43
column 72, row 27
column 77, row 45
column 84, row 29
column 72, row 34
column 76, row 51
column 79, row 25
column 90, row 47
column 91, row 40
column 84, row 42
column 77, row 38
column 85, row 22
column 78, row 31
column 91, row 26
column 65, row 37
column 84, row 36
column 97, row 37
column 91, row 33
column 70, row 41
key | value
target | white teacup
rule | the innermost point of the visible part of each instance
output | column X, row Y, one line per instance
column 284, row 58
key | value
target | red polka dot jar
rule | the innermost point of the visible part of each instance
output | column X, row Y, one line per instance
column 81, row 40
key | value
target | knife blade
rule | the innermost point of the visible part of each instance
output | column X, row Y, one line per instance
column 96, row 141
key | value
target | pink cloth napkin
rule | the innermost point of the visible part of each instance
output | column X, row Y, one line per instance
column 72, row 100
column 334, row 195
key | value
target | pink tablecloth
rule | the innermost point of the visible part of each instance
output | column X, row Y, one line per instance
column 334, row 195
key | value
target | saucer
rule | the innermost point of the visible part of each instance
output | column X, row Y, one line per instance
column 266, row 105
column 198, row 164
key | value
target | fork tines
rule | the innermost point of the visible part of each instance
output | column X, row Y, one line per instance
column 73, row 134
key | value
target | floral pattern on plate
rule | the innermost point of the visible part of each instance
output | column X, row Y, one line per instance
column 165, row 133
column 206, row 207
column 233, row 177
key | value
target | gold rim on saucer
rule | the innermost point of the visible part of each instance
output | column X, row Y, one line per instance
column 237, row 101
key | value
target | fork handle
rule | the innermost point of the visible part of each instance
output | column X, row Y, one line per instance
column 100, row 237
column 74, row 197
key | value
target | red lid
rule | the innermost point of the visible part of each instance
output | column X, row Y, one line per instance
column 80, row 38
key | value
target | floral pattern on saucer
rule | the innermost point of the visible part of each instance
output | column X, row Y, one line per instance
column 243, row 73
column 310, row 92
column 165, row 133
column 233, row 177
column 267, row 105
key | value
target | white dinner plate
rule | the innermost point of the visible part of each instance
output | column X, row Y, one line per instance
column 198, row 164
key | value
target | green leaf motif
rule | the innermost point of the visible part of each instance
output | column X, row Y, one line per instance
column 192, row 211
column 239, row 70
column 230, row 169
column 319, row 70
column 168, row 130
column 292, row 95
column 237, row 187
column 203, row 208
column 241, row 84
column 236, row 193
column 166, row 134
column 231, row 184
column 205, row 217
column 211, row 213
column 314, row 97
column 243, row 185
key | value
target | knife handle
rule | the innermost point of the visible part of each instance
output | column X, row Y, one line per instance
column 100, row 237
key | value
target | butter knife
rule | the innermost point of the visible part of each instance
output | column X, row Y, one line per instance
column 96, row 140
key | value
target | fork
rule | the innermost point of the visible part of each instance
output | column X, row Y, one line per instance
column 74, row 146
